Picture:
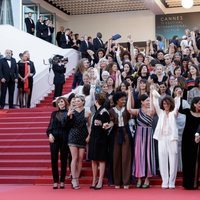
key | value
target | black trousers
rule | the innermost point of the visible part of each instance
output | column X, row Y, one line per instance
column 58, row 90
column 59, row 145
column 10, row 85
column 30, row 94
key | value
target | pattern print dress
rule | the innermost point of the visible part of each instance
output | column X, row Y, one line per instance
column 78, row 132
column 144, row 154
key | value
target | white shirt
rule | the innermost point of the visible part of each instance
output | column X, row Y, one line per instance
column 120, row 116
column 9, row 63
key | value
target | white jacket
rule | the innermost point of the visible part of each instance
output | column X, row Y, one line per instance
column 161, row 113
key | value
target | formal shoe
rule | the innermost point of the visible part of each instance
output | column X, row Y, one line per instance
column 126, row 186
column 55, row 186
column 98, row 187
column 93, row 186
column 145, row 185
column 62, row 185
column 139, row 185
column 75, row 184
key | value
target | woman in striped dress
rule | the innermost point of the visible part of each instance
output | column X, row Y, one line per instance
column 144, row 153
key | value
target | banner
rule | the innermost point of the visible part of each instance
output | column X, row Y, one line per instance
column 170, row 25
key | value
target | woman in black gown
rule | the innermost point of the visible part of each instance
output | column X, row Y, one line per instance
column 190, row 146
column 23, row 81
column 98, row 141
column 57, row 133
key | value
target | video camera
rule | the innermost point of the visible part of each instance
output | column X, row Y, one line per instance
column 58, row 59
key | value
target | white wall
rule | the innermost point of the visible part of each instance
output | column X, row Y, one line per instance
column 140, row 24
column 17, row 10
column 19, row 41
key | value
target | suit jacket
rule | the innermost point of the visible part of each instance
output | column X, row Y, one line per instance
column 84, row 47
column 46, row 31
column 64, row 43
column 40, row 29
column 9, row 73
column 97, row 44
column 58, row 37
column 59, row 74
column 29, row 25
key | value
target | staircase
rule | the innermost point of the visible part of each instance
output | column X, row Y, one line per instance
column 24, row 147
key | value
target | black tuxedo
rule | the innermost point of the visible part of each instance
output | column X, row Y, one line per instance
column 59, row 78
column 84, row 47
column 46, row 35
column 97, row 44
column 9, row 74
column 63, row 42
column 30, row 25
column 30, row 79
column 40, row 29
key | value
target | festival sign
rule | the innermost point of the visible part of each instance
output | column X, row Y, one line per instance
column 174, row 24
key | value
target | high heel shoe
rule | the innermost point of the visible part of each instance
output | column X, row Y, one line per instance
column 145, row 185
column 93, row 186
column 98, row 187
column 75, row 184
column 139, row 185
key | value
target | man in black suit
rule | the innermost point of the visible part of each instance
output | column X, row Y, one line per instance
column 40, row 26
column 66, row 40
column 59, row 69
column 58, row 36
column 98, row 43
column 48, row 31
column 30, row 25
column 8, row 77
column 30, row 78
column 84, row 47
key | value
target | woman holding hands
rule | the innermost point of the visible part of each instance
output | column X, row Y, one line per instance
column 144, row 153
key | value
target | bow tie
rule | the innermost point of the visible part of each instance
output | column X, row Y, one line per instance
column 8, row 59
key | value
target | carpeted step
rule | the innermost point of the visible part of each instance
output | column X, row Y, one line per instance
column 24, row 155
column 27, row 129
column 25, row 119
column 22, row 136
column 37, row 180
column 25, row 142
column 31, row 163
column 23, row 124
column 38, row 171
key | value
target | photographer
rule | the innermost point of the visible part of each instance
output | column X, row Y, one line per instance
column 59, row 69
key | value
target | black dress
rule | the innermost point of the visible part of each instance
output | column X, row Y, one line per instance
column 59, row 128
column 98, row 145
column 21, row 71
column 78, row 132
column 190, row 152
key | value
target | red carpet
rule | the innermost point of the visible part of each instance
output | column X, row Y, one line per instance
column 24, row 147
column 46, row 192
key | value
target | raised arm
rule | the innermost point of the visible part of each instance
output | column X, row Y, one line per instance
column 130, row 102
column 118, row 57
column 156, row 97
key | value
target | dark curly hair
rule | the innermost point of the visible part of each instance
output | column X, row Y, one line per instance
column 117, row 96
column 169, row 100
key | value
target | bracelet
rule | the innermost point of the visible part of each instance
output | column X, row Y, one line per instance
column 196, row 134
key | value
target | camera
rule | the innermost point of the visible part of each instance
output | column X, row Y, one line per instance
column 58, row 59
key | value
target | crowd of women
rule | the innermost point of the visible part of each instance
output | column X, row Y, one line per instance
column 133, row 114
